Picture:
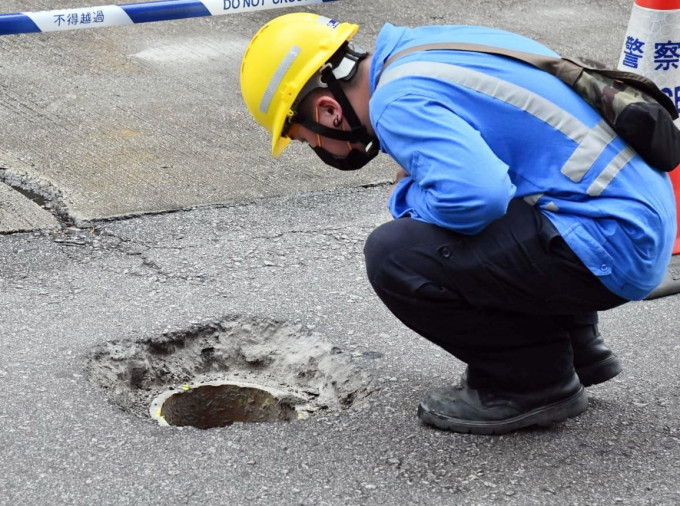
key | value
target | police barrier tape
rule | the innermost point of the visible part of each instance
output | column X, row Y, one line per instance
column 128, row 14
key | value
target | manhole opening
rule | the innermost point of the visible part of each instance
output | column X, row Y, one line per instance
column 221, row 404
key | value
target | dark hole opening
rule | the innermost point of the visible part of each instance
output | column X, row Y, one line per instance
column 209, row 406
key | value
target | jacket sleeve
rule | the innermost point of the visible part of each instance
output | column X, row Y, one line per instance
column 455, row 180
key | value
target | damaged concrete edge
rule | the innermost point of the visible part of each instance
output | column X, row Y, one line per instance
column 32, row 204
column 227, row 204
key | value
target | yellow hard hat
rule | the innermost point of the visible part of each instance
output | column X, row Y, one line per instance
column 280, row 59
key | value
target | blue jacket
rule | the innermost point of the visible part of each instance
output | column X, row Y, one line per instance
column 474, row 131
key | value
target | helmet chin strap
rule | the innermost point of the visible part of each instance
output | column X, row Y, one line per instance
column 357, row 131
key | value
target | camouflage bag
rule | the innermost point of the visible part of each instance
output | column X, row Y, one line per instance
column 635, row 108
column 631, row 104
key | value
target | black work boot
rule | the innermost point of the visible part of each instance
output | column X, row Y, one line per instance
column 468, row 410
column 594, row 362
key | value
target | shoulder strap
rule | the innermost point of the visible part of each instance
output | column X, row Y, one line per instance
column 566, row 70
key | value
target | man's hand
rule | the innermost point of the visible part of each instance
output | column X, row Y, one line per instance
column 401, row 174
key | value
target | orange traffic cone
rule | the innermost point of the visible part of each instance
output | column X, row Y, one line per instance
column 652, row 49
column 675, row 179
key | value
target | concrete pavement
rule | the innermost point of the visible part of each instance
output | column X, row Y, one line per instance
column 124, row 121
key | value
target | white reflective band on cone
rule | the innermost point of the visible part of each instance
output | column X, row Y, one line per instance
column 652, row 45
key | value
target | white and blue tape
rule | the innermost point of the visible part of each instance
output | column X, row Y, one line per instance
column 128, row 14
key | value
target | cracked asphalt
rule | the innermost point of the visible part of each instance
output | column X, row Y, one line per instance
column 297, row 259
column 138, row 200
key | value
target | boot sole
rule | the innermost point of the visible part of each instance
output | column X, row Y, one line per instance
column 545, row 415
column 599, row 372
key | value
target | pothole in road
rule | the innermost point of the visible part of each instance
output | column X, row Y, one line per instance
column 237, row 369
column 219, row 403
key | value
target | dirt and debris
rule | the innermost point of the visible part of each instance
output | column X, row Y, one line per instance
column 272, row 354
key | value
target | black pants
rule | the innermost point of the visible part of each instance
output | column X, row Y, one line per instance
column 503, row 301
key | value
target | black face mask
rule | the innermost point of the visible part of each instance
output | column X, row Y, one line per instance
column 355, row 160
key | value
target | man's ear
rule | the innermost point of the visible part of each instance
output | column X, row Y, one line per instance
column 329, row 111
